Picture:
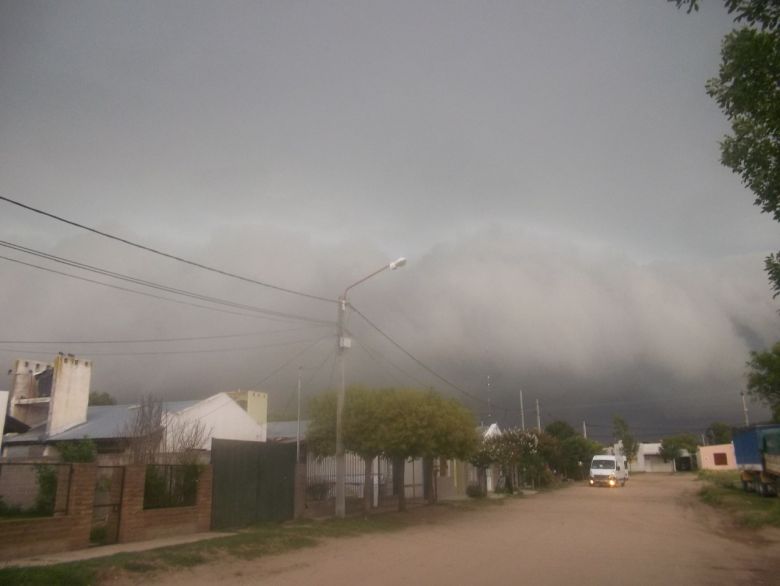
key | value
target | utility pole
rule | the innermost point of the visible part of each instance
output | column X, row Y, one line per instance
column 522, row 412
column 343, row 343
column 538, row 418
column 341, row 460
column 298, row 431
column 584, row 430
column 744, row 408
column 490, row 405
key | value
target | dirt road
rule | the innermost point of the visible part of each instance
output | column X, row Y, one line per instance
column 653, row 531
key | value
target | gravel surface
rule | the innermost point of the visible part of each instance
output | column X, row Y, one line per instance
column 653, row 531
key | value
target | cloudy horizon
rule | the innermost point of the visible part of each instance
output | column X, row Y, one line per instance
column 551, row 172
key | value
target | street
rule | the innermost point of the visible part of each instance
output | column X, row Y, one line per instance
column 653, row 531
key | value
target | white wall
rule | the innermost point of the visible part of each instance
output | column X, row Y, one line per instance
column 3, row 411
column 69, row 394
column 706, row 457
column 223, row 419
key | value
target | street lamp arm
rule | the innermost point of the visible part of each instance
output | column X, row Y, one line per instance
column 396, row 264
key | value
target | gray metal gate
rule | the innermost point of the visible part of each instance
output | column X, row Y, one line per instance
column 253, row 482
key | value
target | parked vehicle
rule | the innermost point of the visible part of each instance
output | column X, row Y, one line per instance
column 607, row 470
column 757, row 451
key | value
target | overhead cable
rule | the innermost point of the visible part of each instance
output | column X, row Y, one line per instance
column 166, row 254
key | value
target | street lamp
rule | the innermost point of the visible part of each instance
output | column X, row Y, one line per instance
column 343, row 344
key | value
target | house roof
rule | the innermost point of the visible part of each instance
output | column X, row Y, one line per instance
column 103, row 422
column 281, row 431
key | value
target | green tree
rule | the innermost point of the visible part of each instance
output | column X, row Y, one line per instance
column 560, row 430
column 763, row 378
column 718, row 433
column 363, row 428
column 621, row 432
column 673, row 445
column 747, row 89
column 98, row 398
column 577, row 452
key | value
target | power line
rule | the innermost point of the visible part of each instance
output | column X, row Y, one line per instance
column 288, row 362
column 167, row 352
column 279, row 316
column 166, row 254
column 157, row 340
column 146, row 283
column 415, row 359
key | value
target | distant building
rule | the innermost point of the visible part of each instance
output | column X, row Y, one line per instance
column 718, row 457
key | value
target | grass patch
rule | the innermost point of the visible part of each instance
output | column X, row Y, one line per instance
column 251, row 543
column 724, row 491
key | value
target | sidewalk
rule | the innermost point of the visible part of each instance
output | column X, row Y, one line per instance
column 108, row 550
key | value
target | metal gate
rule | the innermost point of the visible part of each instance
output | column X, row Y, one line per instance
column 106, row 506
column 252, row 482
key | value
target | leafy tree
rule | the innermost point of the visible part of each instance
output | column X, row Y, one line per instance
column 763, row 378
column 622, row 433
column 363, row 428
column 718, row 433
column 98, row 398
column 673, row 445
column 747, row 90
column 560, row 429
column 510, row 450
column 577, row 452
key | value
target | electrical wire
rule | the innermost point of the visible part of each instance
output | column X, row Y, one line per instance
column 288, row 362
column 166, row 254
column 168, row 352
column 158, row 340
column 415, row 359
column 150, row 284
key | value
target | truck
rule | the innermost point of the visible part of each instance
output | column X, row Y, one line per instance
column 757, row 452
column 608, row 470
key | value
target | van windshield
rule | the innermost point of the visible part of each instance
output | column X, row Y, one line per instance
column 603, row 464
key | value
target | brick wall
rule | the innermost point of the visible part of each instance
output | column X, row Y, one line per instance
column 137, row 524
column 29, row 537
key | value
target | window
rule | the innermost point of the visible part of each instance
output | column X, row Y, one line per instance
column 721, row 459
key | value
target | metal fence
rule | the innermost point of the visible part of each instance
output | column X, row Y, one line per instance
column 169, row 485
column 321, row 479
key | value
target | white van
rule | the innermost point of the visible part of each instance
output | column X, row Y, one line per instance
column 608, row 471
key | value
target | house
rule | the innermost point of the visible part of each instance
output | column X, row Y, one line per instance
column 648, row 459
column 717, row 457
column 52, row 399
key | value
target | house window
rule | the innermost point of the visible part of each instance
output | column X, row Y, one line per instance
column 721, row 459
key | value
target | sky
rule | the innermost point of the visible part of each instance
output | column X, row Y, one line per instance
column 550, row 170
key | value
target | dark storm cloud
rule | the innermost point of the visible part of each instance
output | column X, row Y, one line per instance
column 551, row 169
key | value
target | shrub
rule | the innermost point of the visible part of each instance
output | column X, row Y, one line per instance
column 78, row 451
column 47, row 489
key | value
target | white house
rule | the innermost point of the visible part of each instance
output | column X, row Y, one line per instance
column 648, row 459
column 52, row 399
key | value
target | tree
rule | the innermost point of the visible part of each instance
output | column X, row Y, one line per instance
column 145, row 431
column 560, row 429
column 763, row 378
column 621, row 433
column 747, row 90
column 673, row 445
column 718, row 433
column 98, row 398
column 577, row 452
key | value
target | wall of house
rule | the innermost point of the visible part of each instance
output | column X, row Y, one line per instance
column 69, row 395
column 707, row 457
column 3, row 410
column 223, row 418
column 138, row 524
column 62, row 532
column 25, row 404
column 648, row 459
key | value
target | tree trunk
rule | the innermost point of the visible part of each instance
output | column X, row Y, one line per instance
column 368, row 484
column 399, row 465
column 429, row 479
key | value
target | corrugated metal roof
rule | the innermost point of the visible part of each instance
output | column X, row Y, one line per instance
column 103, row 422
column 285, row 430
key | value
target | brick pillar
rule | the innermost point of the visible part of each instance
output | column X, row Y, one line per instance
column 130, row 515
column 80, row 501
column 203, row 503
